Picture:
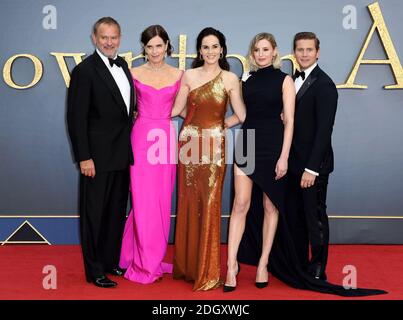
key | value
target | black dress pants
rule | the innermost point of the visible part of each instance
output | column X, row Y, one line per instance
column 308, row 222
column 103, row 202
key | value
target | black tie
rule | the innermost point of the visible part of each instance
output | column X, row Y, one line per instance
column 116, row 61
column 299, row 73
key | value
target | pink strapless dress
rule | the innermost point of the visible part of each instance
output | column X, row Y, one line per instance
column 152, row 179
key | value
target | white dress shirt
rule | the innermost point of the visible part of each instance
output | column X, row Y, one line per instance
column 120, row 78
column 298, row 84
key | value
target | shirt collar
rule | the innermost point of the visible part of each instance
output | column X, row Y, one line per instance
column 309, row 70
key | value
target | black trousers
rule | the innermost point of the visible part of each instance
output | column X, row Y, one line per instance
column 308, row 222
column 103, row 202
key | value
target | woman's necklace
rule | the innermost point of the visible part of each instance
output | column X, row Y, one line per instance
column 148, row 66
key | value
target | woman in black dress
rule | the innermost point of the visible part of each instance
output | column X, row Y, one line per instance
column 267, row 93
column 258, row 227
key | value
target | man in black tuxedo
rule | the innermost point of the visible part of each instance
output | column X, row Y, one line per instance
column 311, row 156
column 101, row 102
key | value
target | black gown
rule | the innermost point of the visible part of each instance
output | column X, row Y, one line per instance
column 262, row 93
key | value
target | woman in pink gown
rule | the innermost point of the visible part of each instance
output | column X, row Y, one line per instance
column 153, row 174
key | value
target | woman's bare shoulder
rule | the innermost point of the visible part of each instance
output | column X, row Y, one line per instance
column 136, row 71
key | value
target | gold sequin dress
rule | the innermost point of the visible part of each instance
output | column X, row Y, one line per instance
column 201, row 175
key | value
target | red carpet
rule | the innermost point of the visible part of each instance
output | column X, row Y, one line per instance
column 378, row 266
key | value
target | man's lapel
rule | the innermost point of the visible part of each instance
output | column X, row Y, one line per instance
column 308, row 82
column 132, row 91
column 107, row 77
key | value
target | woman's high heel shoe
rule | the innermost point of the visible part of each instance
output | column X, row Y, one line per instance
column 231, row 288
column 261, row 285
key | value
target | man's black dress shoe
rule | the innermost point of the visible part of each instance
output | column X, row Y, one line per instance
column 317, row 273
column 322, row 277
column 117, row 271
column 103, row 282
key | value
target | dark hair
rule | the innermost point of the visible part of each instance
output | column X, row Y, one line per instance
column 153, row 31
column 306, row 36
column 197, row 62
column 106, row 20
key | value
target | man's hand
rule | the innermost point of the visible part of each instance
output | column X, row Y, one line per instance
column 87, row 168
column 307, row 180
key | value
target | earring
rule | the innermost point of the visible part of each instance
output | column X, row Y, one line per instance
column 201, row 57
column 165, row 54
column 221, row 55
column 145, row 57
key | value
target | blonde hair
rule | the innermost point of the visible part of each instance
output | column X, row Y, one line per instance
column 276, row 63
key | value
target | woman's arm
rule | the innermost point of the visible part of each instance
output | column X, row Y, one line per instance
column 236, row 101
column 181, row 97
column 231, row 121
column 288, row 120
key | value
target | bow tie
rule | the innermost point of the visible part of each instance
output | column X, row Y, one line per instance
column 299, row 73
column 116, row 61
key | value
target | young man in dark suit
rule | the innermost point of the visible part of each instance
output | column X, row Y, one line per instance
column 311, row 156
column 100, row 108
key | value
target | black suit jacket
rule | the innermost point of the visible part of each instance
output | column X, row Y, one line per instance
column 98, row 122
column 315, row 112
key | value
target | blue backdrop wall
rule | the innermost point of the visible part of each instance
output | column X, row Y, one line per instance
column 39, row 181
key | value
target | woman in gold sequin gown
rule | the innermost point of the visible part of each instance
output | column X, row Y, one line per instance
column 202, row 100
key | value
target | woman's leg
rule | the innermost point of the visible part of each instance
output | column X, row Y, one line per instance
column 269, row 230
column 243, row 190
